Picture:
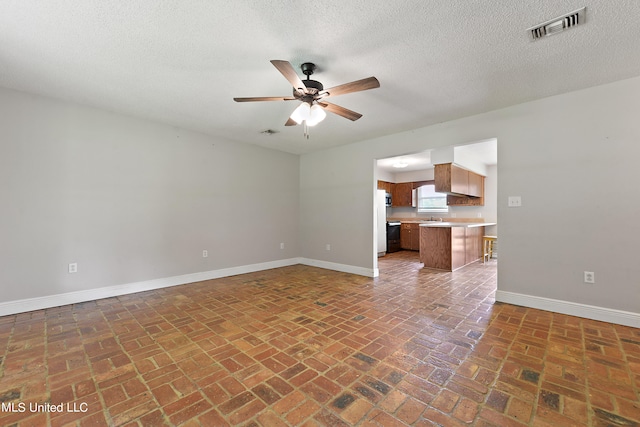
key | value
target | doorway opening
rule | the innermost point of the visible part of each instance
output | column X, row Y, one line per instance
column 400, row 199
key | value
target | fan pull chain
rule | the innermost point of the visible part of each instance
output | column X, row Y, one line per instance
column 306, row 129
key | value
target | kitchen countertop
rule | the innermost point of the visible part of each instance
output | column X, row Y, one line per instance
column 457, row 224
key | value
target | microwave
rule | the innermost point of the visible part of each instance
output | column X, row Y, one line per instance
column 387, row 199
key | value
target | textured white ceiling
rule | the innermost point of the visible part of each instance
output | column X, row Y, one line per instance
column 182, row 61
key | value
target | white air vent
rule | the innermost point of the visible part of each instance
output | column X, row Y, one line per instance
column 558, row 24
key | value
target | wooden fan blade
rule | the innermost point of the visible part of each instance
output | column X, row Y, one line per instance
column 289, row 73
column 290, row 122
column 357, row 86
column 341, row 111
column 265, row 98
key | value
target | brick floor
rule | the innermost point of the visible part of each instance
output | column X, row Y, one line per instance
column 311, row 347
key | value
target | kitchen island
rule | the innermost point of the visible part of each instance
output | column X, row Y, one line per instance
column 451, row 245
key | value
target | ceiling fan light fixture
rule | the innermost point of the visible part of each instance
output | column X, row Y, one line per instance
column 316, row 115
column 311, row 115
column 301, row 113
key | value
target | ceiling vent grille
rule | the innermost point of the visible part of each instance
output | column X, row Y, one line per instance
column 557, row 25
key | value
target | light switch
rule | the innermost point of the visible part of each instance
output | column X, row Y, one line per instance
column 515, row 201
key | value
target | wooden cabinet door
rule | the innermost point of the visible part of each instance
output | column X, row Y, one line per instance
column 459, row 180
column 386, row 186
column 401, row 195
column 405, row 236
column 442, row 178
column 476, row 184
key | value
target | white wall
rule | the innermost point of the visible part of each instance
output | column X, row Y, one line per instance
column 386, row 176
column 571, row 157
column 411, row 176
column 131, row 200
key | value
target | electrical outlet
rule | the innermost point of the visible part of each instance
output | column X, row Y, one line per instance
column 281, row 245
column 589, row 277
column 328, row 247
column 73, row 267
column 515, row 201
column 205, row 253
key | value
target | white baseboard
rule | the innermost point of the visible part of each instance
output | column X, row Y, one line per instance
column 39, row 303
column 360, row 271
column 619, row 317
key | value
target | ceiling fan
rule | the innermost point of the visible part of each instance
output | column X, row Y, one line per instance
column 312, row 94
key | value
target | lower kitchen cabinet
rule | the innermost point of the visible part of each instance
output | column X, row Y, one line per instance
column 450, row 248
column 410, row 236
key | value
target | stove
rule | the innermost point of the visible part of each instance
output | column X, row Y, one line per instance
column 393, row 236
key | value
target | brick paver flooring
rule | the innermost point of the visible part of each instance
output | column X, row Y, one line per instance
column 311, row 347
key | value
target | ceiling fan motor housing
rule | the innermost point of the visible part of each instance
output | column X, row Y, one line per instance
column 307, row 69
column 313, row 84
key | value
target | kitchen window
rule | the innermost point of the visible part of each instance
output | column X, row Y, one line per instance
column 430, row 201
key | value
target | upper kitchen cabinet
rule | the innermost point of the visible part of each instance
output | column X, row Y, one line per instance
column 463, row 187
column 459, row 180
column 386, row 186
column 402, row 194
column 476, row 185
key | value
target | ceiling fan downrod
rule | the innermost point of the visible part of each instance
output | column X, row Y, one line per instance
column 308, row 69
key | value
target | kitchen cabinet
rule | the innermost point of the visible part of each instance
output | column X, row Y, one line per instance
column 410, row 236
column 386, row 186
column 464, row 201
column 450, row 248
column 415, row 237
column 459, row 180
column 476, row 185
column 418, row 184
column 463, row 187
column 402, row 194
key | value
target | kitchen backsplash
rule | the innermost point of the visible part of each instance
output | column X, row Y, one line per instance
column 454, row 212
